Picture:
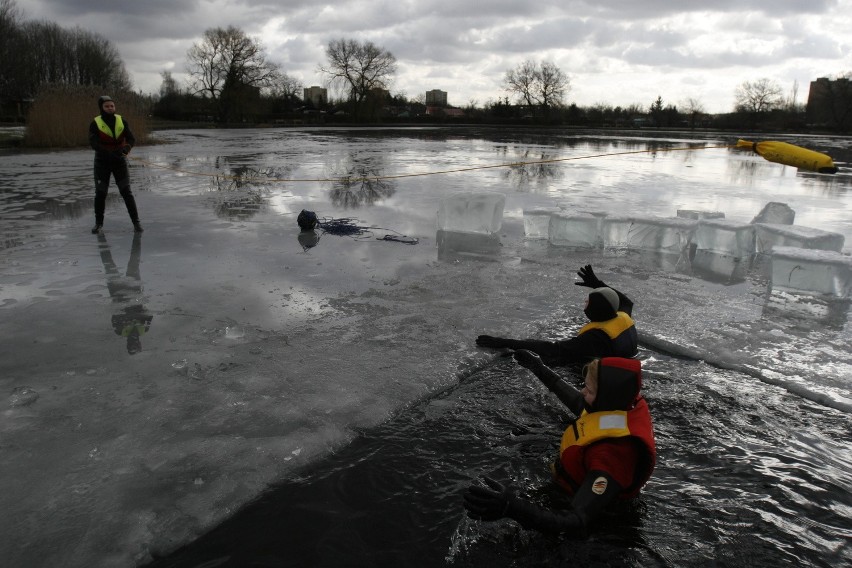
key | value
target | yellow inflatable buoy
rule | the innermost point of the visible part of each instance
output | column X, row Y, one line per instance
column 791, row 155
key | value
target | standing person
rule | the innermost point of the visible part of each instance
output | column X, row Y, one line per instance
column 610, row 332
column 111, row 139
column 607, row 453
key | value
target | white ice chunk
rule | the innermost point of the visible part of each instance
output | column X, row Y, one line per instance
column 809, row 270
column 724, row 236
column 770, row 235
column 662, row 234
column 537, row 222
column 453, row 246
column 472, row 212
column 696, row 214
column 582, row 230
column 774, row 212
column 719, row 267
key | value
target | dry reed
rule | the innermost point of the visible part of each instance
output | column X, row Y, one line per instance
column 61, row 114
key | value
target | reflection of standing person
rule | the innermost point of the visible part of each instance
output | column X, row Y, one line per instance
column 133, row 321
column 111, row 139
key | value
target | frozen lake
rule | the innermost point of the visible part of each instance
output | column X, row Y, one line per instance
column 264, row 353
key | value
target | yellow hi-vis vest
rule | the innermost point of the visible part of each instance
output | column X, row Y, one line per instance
column 612, row 327
column 107, row 131
column 593, row 426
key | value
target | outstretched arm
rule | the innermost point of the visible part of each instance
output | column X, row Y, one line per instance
column 548, row 349
column 570, row 397
column 590, row 280
column 493, row 501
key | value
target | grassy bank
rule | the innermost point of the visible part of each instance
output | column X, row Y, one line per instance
column 60, row 116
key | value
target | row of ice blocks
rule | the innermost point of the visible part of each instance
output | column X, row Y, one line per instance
column 813, row 271
column 672, row 234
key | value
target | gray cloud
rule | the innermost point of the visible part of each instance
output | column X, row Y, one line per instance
column 608, row 48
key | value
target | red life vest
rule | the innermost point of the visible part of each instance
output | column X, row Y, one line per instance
column 110, row 140
column 597, row 427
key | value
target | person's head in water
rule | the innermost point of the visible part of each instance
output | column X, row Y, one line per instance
column 612, row 383
column 602, row 304
column 106, row 105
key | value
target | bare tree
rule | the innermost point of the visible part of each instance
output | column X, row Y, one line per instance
column 758, row 97
column 358, row 67
column 521, row 81
column 228, row 57
column 535, row 84
column 169, row 86
column 694, row 108
column 286, row 87
column 553, row 85
column 10, row 40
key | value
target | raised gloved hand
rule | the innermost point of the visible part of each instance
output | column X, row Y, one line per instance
column 588, row 278
column 528, row 359
column 487, row 503
column 490, row 341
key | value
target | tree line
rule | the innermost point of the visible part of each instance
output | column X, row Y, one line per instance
column 34, row 54
column 232, row 80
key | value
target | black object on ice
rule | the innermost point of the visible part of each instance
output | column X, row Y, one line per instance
column 347, row 226
column 307, row 220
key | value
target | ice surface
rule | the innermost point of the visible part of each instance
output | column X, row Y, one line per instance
column 696, row 214
column 537, row 222
column 472, row 212
column 724, row 236
column 662, row 234
column 809, row 270
column 774, row 212
column 770, row 235
column 581, row 230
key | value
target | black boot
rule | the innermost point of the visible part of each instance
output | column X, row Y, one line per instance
column 137, row 227
column 97, row 229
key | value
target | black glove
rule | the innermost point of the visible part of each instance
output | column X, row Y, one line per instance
column 487, row 503
column 117, row 154
column 126, row 149
column 528, row 359
column 589, row 279
column 490, row 341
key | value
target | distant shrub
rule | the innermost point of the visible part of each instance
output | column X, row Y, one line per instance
column 60, row 115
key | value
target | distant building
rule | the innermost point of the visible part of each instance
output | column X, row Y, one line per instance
column 830, row 103
column 436, row 97
column 317, row 96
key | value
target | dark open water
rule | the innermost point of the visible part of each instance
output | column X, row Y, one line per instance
column 748, row 475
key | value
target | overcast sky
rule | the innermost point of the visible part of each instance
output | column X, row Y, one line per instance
column 616, row 52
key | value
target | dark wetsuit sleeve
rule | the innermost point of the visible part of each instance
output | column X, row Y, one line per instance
column 582, row 348
column 625, row 304
column 131, row 139
column 570, row 397
column 94, row 140
column 587, row 505
column 531, row 516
